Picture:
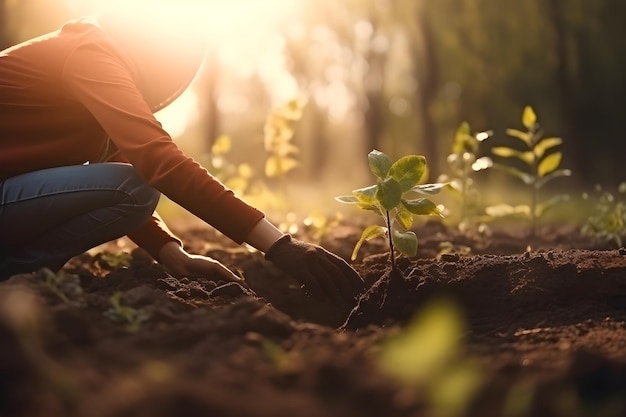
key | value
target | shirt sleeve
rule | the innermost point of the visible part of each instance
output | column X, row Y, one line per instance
column 103, row 81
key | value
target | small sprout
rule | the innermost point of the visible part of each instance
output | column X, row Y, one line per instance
column 387, row 199
column 115, row 261
column 540, row 165
column 463, row 162
column 65, row 286
column 607, row 222
column 118, row 313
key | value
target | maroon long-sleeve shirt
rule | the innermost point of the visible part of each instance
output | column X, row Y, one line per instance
column 78, row 94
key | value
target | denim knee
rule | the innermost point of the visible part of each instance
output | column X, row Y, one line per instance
column 143, row 196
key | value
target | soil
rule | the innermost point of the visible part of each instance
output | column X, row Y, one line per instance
column 544, row 332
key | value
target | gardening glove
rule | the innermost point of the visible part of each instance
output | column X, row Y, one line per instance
column 324, row 274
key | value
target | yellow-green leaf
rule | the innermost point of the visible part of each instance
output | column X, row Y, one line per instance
column 379, row 164
column 523, row 136
column 405, row 242
column 408, row 170
column 427, row 345
column 370, row 232
column 529, row 118
column 422, row 206
column 221, row 145
column 404, row 217
column 389, row 193
column 549, row 164
column 502, row 151
column 546, row 143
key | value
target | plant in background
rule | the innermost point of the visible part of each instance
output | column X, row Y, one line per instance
column 607, row 222
column 278, row 134
column 387, row 199
column 62, row 284
column 463, row 162
column 115, row 261
column 539, row 165
column 127, row 315
column 237, row 177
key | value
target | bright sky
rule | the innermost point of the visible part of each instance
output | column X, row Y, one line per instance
column 244, row 33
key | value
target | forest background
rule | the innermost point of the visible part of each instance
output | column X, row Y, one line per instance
column 395, row 75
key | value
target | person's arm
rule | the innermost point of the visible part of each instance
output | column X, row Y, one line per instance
column 263, row 235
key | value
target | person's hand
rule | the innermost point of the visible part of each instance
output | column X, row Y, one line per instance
column 182, row 264
column 324, row 274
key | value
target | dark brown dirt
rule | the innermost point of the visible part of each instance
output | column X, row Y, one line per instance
column 545, row 324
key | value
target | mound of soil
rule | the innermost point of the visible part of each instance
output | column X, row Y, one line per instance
column 544, row 326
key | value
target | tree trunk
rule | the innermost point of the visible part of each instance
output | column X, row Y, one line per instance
column 427, row 70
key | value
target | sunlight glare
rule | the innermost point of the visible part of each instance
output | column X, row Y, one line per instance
column 243, row 34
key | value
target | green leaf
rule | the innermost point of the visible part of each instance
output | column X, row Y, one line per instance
column 405, row 242
column 549, row 164
column 347, row 199
column 429, row 189
column 408, row 170
column 379, row 163
column 404, row 217
column 422, row 206
column 463, row 140
column 551, row 202
column 370, row 232
column 523, row 176
column 525, row 137
column 544, row 144
column 427, row 346
column 367, row 194
column 554, row 174
column 389, row 193
column 529, row 118
column 504, row 152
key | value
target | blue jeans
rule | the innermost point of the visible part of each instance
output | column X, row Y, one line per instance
column 49, row 216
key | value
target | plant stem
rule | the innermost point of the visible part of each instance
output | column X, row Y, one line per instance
column 392, row 257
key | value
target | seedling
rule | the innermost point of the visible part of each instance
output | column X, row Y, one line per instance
column 118, row 313
column 278, row 134
column 62, row 284
column 539, row 167
column 237, row 177
column 387, row 199
column 607, row 222
column 463, row 162
column 116, row 261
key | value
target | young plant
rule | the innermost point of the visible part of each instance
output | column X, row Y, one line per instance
column 237, row 177
column 607, row 222
column 115, row 261
column 278, row 134
column 540, row 164
column 463, row 162
column 387, row 199
column 65, row 286
column 131, row 317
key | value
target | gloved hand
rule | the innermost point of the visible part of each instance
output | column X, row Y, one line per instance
column 324, row 274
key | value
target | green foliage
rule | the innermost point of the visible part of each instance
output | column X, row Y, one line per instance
column 278, row 133
column 607, row 221
column 387, row 198
column 65, row 286
column 539, row 165
column 428, row 355
column 132, row 318
column 237, row 177
column 463, row 162
column 115, row 261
